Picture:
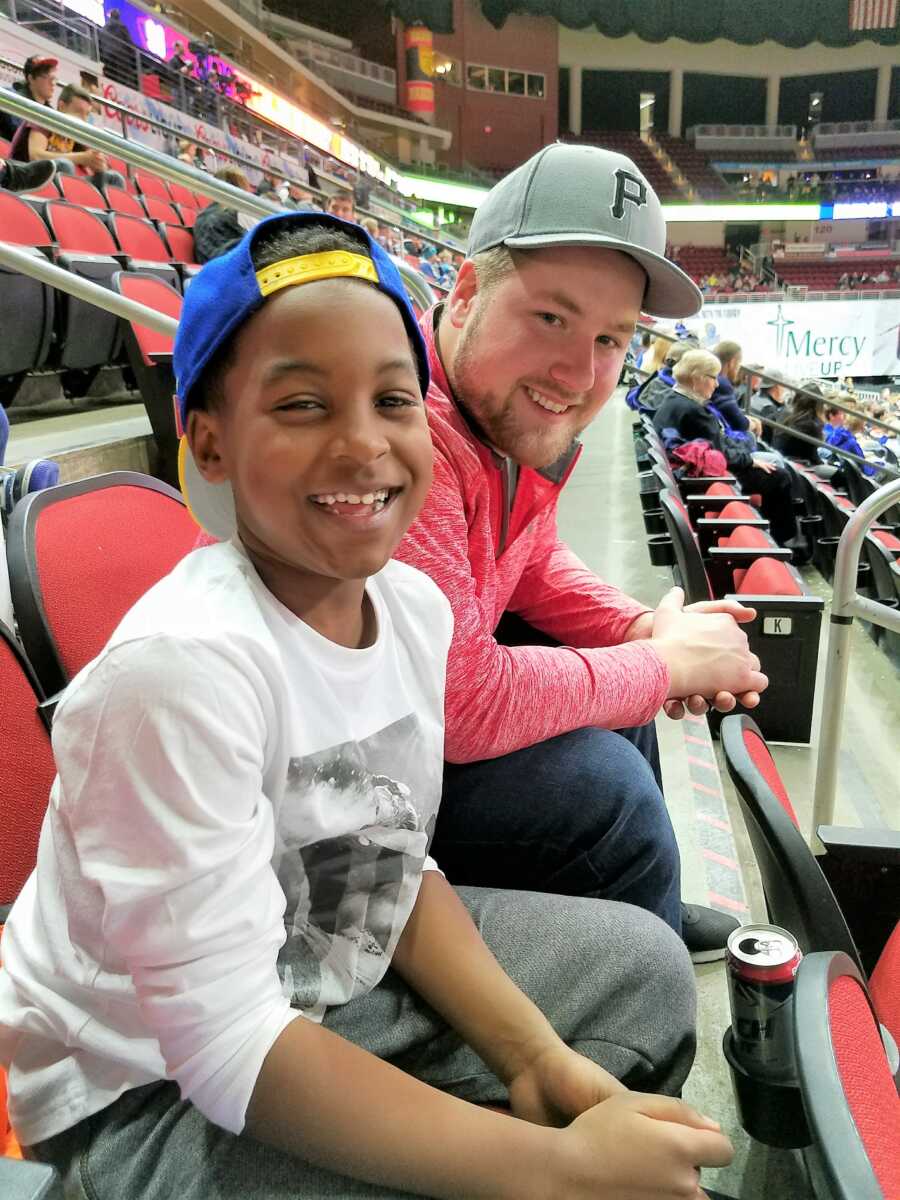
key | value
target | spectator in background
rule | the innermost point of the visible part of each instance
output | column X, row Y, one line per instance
column 724, row 399
column 804, row 415
column 217, row 228
column 370, row 225
column 178, row 61
column 340, row 204
column 685, row 410
column 25, row 177
column 33, row 144
column 117, row 51
column 38, row 84
column 300, row 198
column 769, row 402
column 646, row 341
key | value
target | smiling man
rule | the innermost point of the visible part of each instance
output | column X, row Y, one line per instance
column 552, row 780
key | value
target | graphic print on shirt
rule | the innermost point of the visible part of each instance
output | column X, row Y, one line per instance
column 354, row 830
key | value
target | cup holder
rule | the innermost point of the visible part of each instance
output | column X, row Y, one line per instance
column 772, row 1113
column 661, row 550
column 654, row 520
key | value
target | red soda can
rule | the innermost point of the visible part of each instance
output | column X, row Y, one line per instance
column 762, row 961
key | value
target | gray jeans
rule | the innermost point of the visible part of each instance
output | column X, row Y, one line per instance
column 100, row 179
column 614, row 981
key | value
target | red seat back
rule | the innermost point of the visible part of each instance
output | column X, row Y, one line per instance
column 868, row 1087
column 26, row 768
column 20, row 223
column 769, row 577
column 139, row 239
column 78, row 230
column 764, row 762
column 81, row 554
column 80, row 191
column 152, row 185
column 181, row 243
column 188, row 215
column 121, row 201
column 182, row 195
column 160, row 210
column 155, row 294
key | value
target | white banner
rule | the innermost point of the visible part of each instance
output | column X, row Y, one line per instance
column 804, row 339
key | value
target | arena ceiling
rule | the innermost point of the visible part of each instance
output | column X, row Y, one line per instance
column 797, row 23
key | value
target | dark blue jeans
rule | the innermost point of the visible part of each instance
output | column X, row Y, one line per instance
column 581, row 814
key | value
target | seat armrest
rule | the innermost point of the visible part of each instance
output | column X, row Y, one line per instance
column 849, row 844
column 744, row 556
column 701, row 500
column 161, row 358
column 699, row 483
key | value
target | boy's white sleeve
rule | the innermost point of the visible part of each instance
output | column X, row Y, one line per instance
column 161, row 753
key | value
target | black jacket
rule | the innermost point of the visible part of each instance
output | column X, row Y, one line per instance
column 795, row 448
column 216, row 230
column 692, row 420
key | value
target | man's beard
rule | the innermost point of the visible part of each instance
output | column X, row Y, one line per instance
column 498, row 421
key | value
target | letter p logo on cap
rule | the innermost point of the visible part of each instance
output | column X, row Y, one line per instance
column 637, row 194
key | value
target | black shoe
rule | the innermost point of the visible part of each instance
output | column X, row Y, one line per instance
column 28, row 177
column 705, row 931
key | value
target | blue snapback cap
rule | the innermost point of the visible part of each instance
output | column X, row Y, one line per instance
column 227, row 292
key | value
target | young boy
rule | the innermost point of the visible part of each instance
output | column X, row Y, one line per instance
column 235, row 971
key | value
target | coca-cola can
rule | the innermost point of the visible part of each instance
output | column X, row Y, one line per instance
column 762, row 961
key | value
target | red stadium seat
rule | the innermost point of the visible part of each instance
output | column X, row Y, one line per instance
column 182, row 195
column 121, row 201
column 80, row 191
column 187, row 214
column 80, row 555
column 160, row 210
column 144, row 247
column 152, row 185
column 27, row 307
column 796, row 884
column 90, row 337
column 150, row 359
column 181, row 243
column 26, row 767
column 849, row 1095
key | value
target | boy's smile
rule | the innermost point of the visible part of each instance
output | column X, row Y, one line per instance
column 323, row 436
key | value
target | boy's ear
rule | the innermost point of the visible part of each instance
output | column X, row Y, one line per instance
column 462, row 298
column 204, row 439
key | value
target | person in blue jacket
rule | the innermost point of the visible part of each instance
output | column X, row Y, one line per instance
column 724, row 399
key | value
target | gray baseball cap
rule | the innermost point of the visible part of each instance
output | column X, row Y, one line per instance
column 568, row 195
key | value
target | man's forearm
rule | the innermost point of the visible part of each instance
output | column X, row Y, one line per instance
column 325, row 1100
column 443, row 957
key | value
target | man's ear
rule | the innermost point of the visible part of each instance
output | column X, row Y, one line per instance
column 463, row 296
column 204, row 436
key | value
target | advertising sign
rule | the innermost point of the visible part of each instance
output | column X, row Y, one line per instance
column 815, row 338
column 150, row 33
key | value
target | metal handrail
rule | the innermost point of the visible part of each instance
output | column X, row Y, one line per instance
column 846, row 604
column 36, row 266
column 172, row 169
column 135, row 153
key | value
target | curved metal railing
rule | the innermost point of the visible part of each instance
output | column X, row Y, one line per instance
column 846, row 604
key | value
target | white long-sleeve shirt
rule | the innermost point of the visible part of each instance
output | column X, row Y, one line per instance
column 236, row 837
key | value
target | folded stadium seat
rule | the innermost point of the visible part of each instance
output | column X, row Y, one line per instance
column 145, row 248
column 4, row 147
column 785, row 632
column 50, row 191
column 89, row 338
column 182, row 195
column 842, row 900
column 151, row 185
column 27, row 307
column 850, row 1096
column 79, row 557
column 201, row 201
column 160, row 210
column 150, row 359
column 121, row 201
column 76, row 190
column 187, row 215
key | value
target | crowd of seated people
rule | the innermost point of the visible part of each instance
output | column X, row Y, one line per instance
column 741, row 279
column 851, row 280
column 817, row 188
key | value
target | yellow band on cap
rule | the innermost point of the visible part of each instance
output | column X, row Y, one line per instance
column 307, row 268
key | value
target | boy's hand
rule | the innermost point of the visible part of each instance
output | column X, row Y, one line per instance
column 639, row 1147
column 559, row 1085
